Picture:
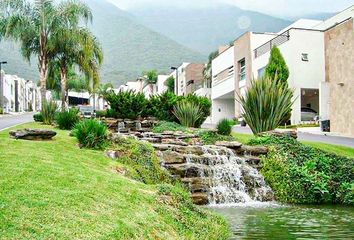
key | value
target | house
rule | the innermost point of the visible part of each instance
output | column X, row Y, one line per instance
column 309, row 48
column 18, row 94
column 188, row 78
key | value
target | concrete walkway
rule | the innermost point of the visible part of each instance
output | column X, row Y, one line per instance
column 7, row 121
column 303, row 136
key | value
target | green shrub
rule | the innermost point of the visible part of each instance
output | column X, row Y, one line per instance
column 169, row 126
column 224, row 127
column 111, row 113
column 266, row 103
column 127, row 105
column 38, row 117
column 301, row 174
column 1, row 110
column 67, row 119
column 161, row 107
column 210, row 137
column 101, row 113
column 170, row 82
column 203, row 102
column 48, row 112
column 187, row 113
column 91, row 134
column 140, row 161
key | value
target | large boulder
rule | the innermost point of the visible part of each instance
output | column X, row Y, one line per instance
column 232, row 145
column 33, row 134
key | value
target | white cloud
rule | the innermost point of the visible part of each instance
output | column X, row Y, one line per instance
column 274, row 7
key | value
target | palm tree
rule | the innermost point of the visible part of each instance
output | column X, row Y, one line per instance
column 104, row 90
column 77, row 47
column 151, row 78
column 33, row 23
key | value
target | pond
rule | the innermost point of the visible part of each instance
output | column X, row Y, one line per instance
column 273, row 221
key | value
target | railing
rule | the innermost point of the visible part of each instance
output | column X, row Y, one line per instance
column 277, row 41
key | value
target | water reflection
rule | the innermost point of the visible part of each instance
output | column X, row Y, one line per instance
column 272, row 221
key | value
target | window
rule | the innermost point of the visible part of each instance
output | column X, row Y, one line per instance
column 242, row 67
column 261, row 72
column 305, row 57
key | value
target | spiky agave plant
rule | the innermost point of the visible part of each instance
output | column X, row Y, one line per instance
column 188, row 113
column 265, row 104
column 48, row 111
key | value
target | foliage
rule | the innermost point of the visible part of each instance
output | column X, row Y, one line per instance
column 91, row 134
column 210, row 137
column 277, row 68
column 48, row 111
column 301, row 174
column 127, row 104
column 101, row 113
column 66, row 120
column 204, row 104
column 170, row 82
column 1, row 110
column 266, row 103
column 187, row 113
column 140, row 161
column 38, row 117
column 224, row 127
column 151, row 76
column 161, row 107
column 169, row 126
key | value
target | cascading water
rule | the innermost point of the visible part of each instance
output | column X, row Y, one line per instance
column 230, row 179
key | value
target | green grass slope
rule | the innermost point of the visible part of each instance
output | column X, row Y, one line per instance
column 54, row 190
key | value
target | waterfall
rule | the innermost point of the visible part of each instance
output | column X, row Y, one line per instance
column 229, row 178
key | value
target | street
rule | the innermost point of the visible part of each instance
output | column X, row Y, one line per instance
column 7, row 121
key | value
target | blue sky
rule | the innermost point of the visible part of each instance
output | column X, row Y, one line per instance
column 273, row 7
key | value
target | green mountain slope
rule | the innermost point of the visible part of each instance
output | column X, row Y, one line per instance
column 129, row 47
column 204, row 29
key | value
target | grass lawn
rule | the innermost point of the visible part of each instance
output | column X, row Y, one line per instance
column 54, row 190
column 340, row 150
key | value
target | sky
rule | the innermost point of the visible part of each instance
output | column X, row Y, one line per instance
column 272, row 7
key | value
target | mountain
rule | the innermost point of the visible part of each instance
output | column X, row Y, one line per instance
column 129, row 47
column 315, row 16
column 205, row 28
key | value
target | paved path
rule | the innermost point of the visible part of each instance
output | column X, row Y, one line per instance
column 8, row 121
column 335, row 140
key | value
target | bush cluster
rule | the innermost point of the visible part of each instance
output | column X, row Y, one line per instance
column 38, row 117
column 91, row 134
column 66, row 120
column 303, row 174
column 169, row 126
column 210, row 137
column 49, row 109
column 133, row 105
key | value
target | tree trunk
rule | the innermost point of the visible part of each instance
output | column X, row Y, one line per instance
column 43, row 67
column 63, row 87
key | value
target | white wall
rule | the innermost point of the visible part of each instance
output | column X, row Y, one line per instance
column 224, row 87
column 302, row 74
column 223, row 61
column 161, row 87
column 223, row 108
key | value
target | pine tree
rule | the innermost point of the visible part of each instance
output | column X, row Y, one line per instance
column 277, row 68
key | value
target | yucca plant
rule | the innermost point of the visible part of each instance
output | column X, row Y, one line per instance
column 91, row 134
column 66, row 120
column 266, row 103
column 48, row 111
column 187, row 113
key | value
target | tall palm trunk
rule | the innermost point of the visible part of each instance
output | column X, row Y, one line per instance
column 63, row 72
column 43, row 67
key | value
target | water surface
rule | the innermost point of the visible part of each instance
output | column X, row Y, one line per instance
column 273, row 221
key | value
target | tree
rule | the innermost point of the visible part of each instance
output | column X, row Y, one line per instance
column 266, row 103
column 170, row 82
column 277, row 68
column 151, row 78
column 77, row 47
column 33, row 24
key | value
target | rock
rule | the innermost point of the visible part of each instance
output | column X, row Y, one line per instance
column 280, row 133
column 253, row 160
column 162, row 147
column 170, row 157
column 186, row 170
column 197, row 150
column 200, row 198
column 232, row 145
column 174, row 142
column 33, row 134
column 111, row 154
column 151, row 140
column 252, row 150
column 196, row 184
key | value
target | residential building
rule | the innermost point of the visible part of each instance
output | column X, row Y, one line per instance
column 311, row 50
column 19, row 95
column 188, row 78
column 161, row 86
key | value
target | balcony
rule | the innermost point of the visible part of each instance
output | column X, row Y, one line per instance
column 277, row 41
